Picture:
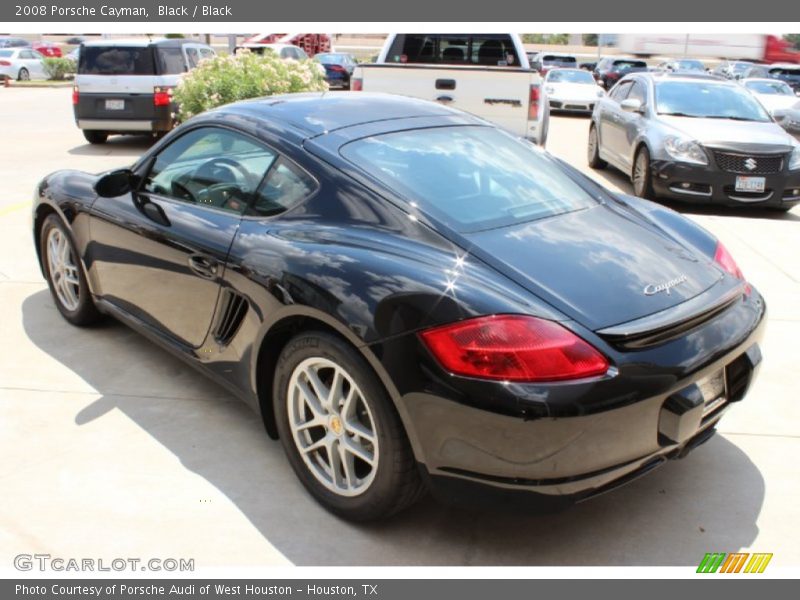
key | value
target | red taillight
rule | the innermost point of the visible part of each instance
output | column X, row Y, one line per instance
column 337, row 68
column 4, row 63
column 533, row 104
column 75, row 94
column 162, row 96
column 357, row 85
column 724, row 259
column 513, row 348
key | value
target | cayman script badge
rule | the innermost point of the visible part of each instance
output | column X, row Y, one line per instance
column 652, row 290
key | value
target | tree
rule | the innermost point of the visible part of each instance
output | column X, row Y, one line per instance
column 793, row 38
column 545, row 38
column 590, row 39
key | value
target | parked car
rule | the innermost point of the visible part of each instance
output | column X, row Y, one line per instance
column 47, row 49
column 12, row 42
column 683, row 64
column 572, row 90
column 285, row 51
column 309, row 252
column 544, row 61
column 695, row 138
column 21, row 63
column 76, row 40
column 737, row 69
column 485, row 74
column 611, row 69
column 339, row 68
column 779, row 99
column 125, row 86
column 789, row 74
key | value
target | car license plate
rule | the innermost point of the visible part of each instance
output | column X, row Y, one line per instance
column 115, row 104
column 750, row 184
column 713, row 390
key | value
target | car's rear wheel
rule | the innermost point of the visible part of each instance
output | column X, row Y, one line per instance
column 593, row 150
column 24, row 74
column 64, row 274
column 642, row 176
column 340, row 430
column 94, row 136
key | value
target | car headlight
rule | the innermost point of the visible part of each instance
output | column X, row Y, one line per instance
column 685, row 150
column 794, row 160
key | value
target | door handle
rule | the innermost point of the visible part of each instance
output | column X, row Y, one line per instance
column 445, row 99
column 204, row 266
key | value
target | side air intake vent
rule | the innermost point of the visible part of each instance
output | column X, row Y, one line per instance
column 232, row 312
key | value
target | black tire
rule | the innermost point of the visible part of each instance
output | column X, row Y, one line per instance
column 396, row 483
column 593, row 150
column 23, row 75
column 94, row 136
column 85, row 313
column 642, row 175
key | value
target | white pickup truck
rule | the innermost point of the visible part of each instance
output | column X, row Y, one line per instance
column 487, row 75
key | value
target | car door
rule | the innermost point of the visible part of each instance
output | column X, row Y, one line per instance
column 609, row 122
column 631, row 123
column 32, row 61
column 159, row 252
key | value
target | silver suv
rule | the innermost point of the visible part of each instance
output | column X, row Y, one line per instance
column 695, row 138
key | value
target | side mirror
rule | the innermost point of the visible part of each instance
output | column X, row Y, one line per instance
column 114, row 183
column 633, row 105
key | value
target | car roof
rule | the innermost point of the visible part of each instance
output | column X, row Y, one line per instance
column 685, row 76
column 316, row 113
column 140, row 43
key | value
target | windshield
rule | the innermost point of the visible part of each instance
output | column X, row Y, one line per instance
column 689, row 65
column 570, row 76
column 707, row 100
column 469, row 177
column 773, row 88
column 559, row 61
column 331, row 59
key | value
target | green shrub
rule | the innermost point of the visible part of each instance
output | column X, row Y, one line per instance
column 57, row 69
column 224, row 79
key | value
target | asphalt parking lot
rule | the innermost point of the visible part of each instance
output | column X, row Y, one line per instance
column 113, row 448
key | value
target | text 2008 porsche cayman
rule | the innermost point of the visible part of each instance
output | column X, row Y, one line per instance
column 412, row 298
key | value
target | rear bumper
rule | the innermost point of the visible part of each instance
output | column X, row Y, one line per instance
column 138, row 113
column 576, row 106
column 562, row 443
column 702, row 184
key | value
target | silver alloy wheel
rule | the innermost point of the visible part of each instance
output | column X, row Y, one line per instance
column 332, row 426
column 592, row 144
column 639, row 173
column 24, row 75
column 63, row 270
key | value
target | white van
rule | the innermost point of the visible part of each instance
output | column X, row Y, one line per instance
column 125, row 86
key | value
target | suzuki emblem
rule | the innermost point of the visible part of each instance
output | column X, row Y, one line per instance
column 751, row 164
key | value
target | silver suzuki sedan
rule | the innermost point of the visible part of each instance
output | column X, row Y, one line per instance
column 695, row 138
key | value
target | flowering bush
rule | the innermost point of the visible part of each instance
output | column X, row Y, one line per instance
column 57, row 69
column 224, row 79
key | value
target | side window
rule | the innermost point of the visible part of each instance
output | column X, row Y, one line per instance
column 620, row 91
column 286, row 53
column 207, row 53
column 300, row 54
column 284, row 186
column 171, row 61
column 26, row 54
column 210, row 166
column 192, row 56
column 639, row 92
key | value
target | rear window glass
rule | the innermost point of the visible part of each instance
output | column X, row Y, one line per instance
column 630, row 64
column 560, row 61
column 6, row 53
column 469, row 177
column 455, row 49
column 116, row 60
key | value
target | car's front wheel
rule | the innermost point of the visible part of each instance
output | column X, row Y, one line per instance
column 642, row 176
column 64, row 274
column 340, row 430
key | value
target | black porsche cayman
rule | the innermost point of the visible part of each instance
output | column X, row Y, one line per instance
column 412, row 298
